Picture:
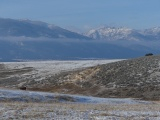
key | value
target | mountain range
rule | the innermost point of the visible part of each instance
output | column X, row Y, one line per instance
column 35, row 29
column 123, row 33
column 36, row 40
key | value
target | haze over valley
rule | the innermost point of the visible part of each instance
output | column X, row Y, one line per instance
column 35, row 40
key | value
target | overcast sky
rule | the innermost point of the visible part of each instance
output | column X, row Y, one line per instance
column 85, row 14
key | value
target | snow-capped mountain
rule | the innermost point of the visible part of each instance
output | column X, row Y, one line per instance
column 109, row 33
column 28, row 28
column 152, row 31
column 123, row 33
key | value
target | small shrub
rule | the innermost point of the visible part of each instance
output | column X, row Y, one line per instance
column 149, row 54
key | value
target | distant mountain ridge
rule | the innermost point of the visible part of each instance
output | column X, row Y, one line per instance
column 35, row 29
column 123, row 33
column 28, row 28
column 36, row 40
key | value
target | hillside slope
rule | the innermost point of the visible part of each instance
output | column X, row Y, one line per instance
column 36, row 73
column 136, row 78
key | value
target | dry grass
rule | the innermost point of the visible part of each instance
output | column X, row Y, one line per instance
column 134, row 78
column 64, row 111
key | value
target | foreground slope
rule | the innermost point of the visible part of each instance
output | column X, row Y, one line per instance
column 65, row 111
column 137, row 78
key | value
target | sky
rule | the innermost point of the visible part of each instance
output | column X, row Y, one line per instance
column 82, row 15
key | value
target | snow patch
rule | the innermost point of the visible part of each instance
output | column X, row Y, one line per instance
column 43, row 69
column 24, row 96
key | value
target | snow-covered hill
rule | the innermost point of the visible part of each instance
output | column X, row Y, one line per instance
column 123, row 33
column 31, row 96
column 38, row 72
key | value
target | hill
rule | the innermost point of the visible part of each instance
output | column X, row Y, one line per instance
column 136, row 78
column 133, row 78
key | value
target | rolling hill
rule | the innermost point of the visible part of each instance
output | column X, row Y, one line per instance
column 133, row 78
column 136, row 78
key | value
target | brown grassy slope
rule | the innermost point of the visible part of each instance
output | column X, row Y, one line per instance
column 137, row 78
column 12, row 77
